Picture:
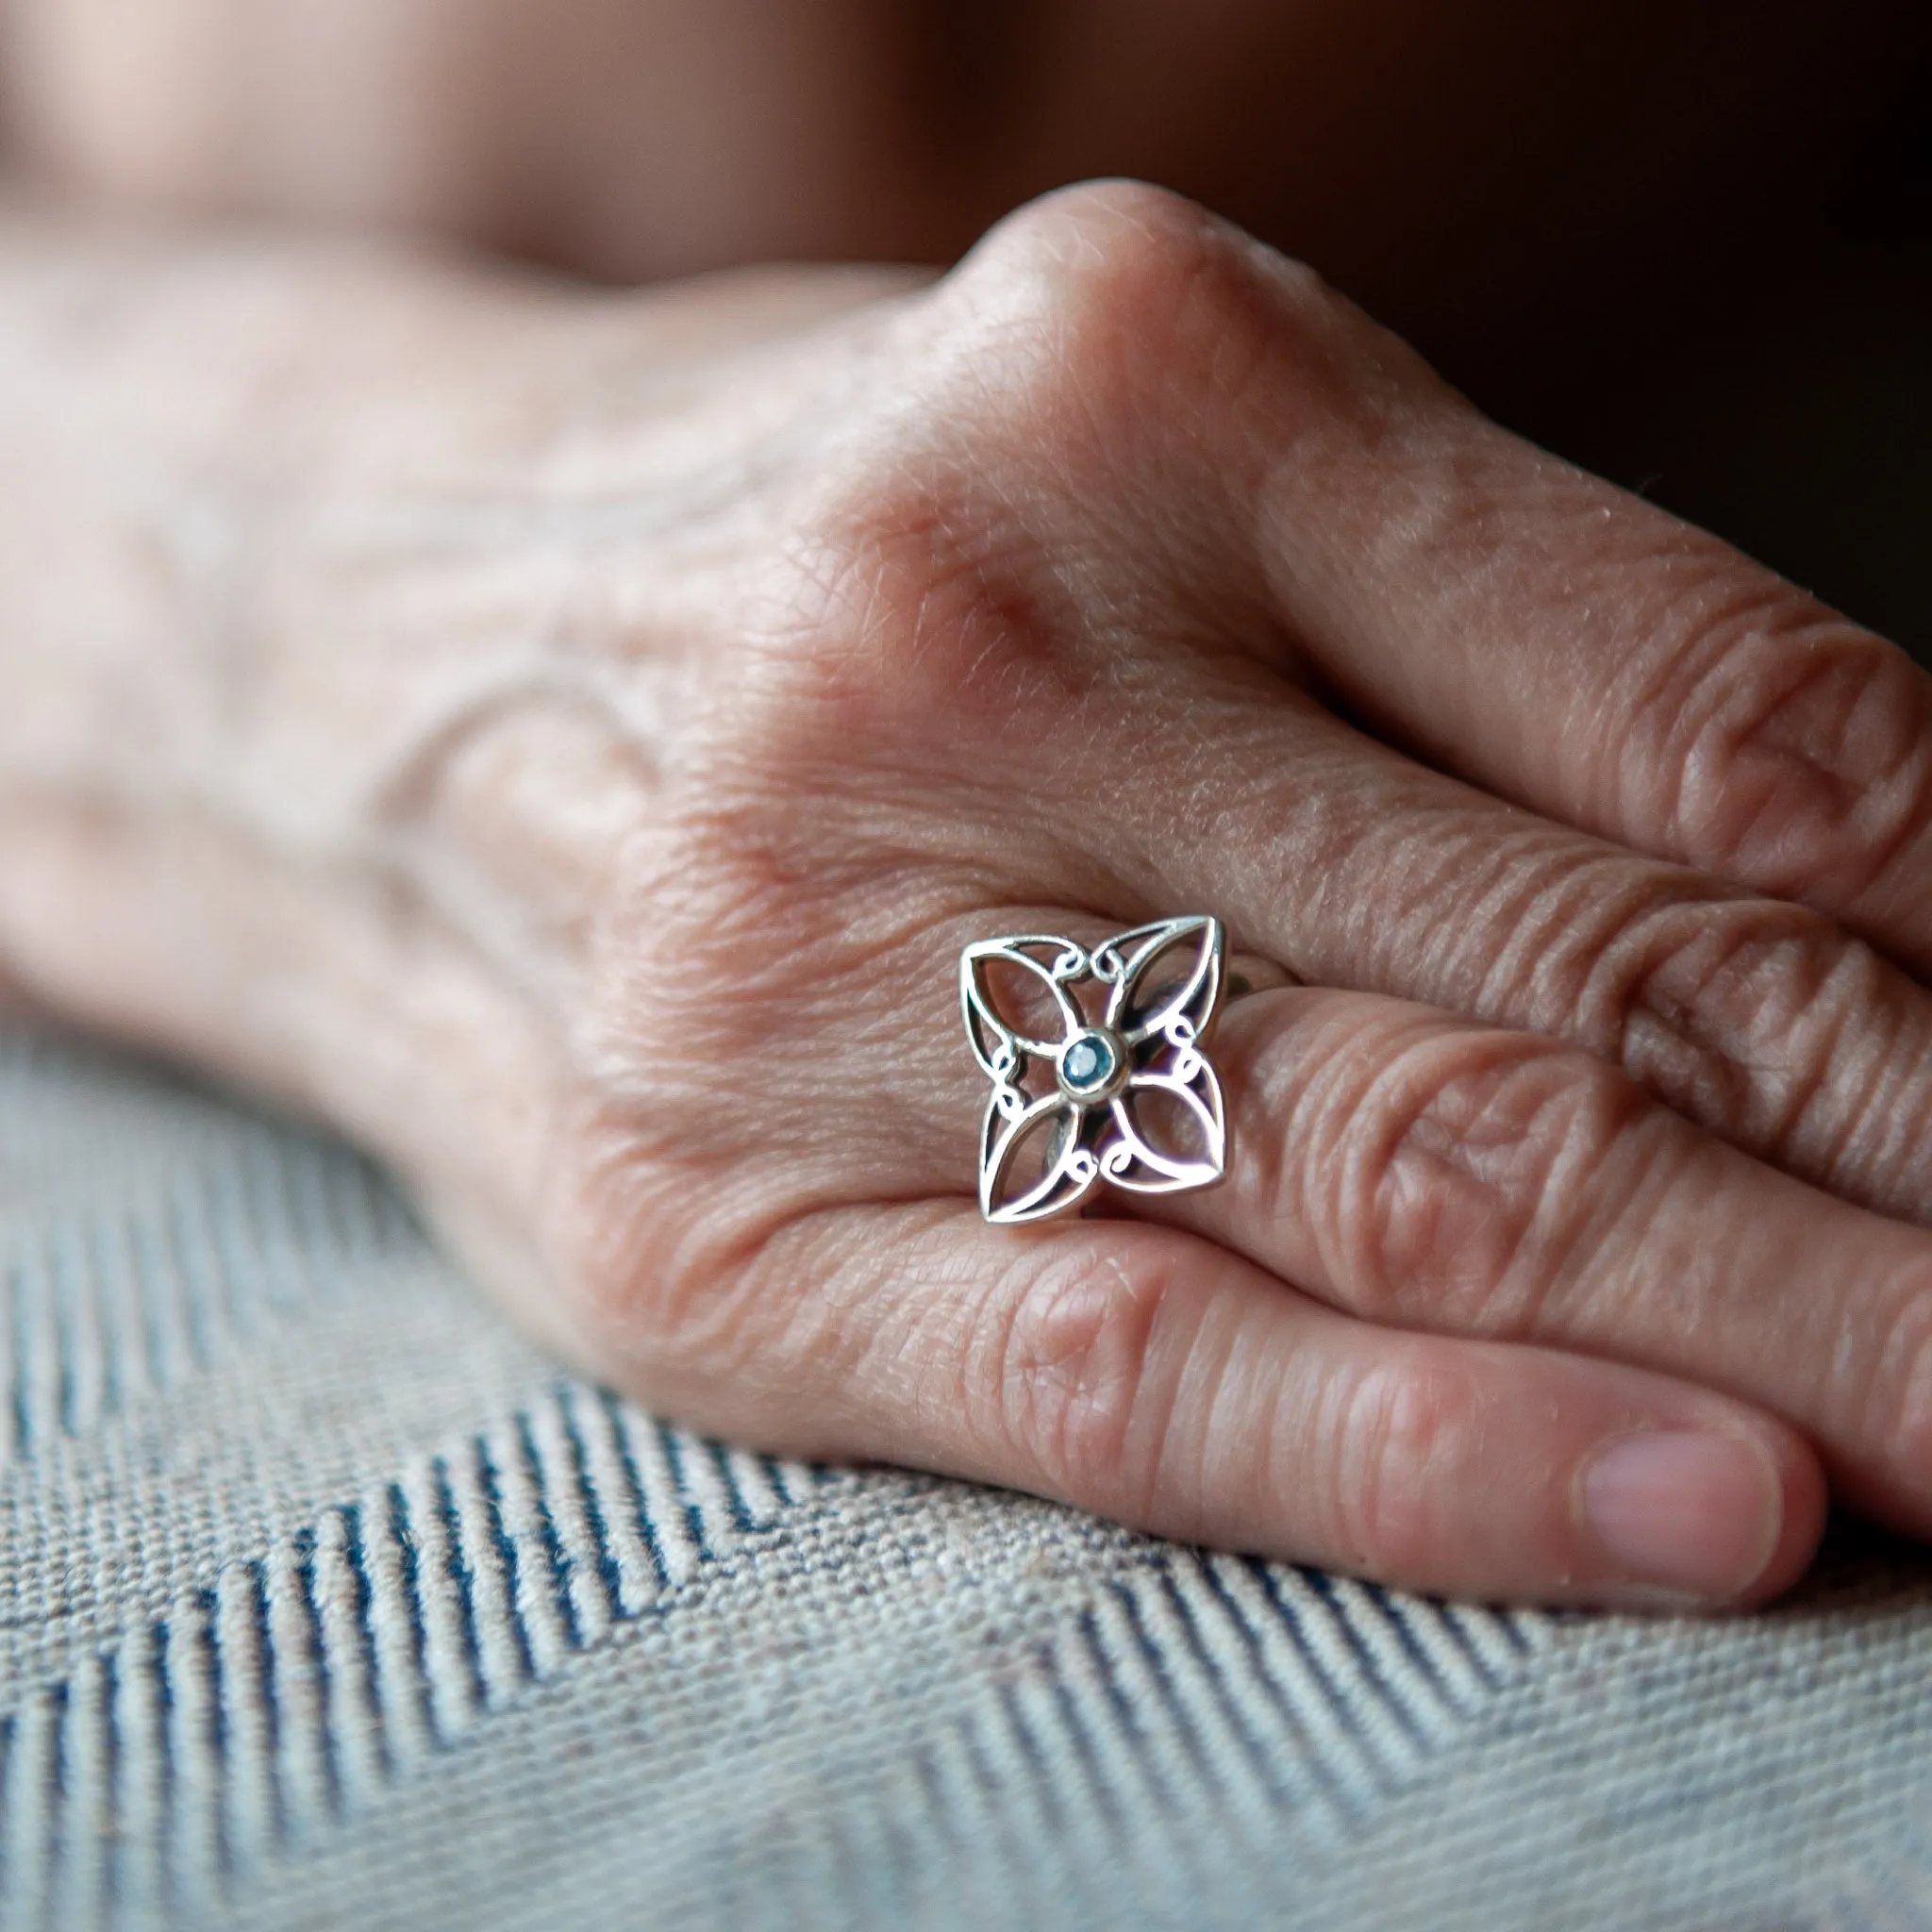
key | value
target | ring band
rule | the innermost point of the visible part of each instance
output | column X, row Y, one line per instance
column 1104, row 1076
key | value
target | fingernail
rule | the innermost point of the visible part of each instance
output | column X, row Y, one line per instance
column 1685, row 1515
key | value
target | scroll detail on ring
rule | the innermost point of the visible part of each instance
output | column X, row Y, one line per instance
column 1097, row 1065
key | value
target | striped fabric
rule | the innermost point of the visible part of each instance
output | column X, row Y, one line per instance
column 329, row 1603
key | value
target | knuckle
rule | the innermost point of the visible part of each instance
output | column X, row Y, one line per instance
column 1121, row 317
column 1095, row 220
column 994, row 526
column 1735, row 1013
column 1094, row 263
column 1454, row 1177
column 1073, row 1380
column 1885, row 1404
column 1396, row 1434
column 1793, row 747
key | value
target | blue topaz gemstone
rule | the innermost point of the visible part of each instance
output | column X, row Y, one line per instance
column 1089, row 1064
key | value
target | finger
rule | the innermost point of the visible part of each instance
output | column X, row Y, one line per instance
column 1545, row 636
column 1577, row 649
column 1431, row 1172
column 1764, row 1021
column 1151, row 1376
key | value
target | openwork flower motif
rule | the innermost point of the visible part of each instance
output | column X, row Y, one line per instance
column 1096, row 1065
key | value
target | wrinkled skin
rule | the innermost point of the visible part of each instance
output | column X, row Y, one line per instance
column 566, row 741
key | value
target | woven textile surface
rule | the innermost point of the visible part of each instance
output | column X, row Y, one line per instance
column 331, row 1603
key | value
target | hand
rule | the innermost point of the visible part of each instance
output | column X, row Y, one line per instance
column 568, row 743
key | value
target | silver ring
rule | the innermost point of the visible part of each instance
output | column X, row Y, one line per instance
column 1098, row 1062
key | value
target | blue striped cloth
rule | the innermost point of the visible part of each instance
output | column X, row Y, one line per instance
column 330, row 1603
